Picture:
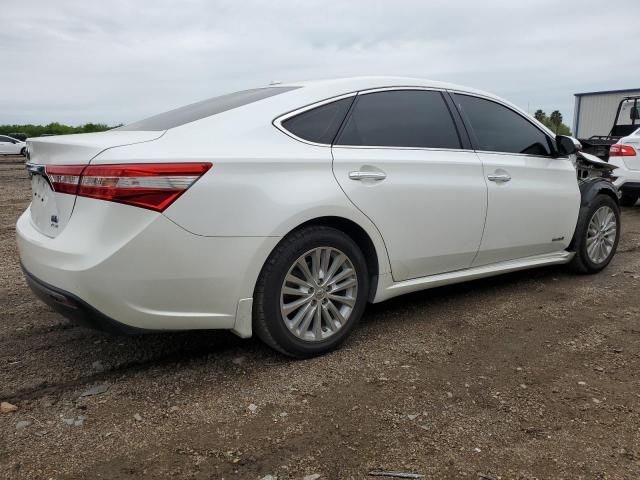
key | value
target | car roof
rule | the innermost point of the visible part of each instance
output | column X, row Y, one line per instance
column 299, row 95
column 352, row 84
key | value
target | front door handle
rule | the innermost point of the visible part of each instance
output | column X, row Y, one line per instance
column 499, row 177
column 367, row 175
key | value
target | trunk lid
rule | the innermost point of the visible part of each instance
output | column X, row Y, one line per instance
column 51, row 211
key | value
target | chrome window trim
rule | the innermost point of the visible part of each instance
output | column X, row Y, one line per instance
column 400, row 87
column 509, row 107
column 491, row 152
column 386, row 147
column 277, row 122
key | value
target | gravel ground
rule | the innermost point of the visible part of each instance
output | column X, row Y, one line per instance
column 527, row 375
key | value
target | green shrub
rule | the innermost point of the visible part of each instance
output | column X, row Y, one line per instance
column 53, row 128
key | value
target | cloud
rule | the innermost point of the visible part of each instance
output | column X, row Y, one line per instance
column 118, row 61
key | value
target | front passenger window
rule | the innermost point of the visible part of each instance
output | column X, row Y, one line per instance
column 499, row 129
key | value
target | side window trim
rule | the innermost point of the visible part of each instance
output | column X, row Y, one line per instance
column 443, row 93
column 472, row 136
column 467, row 123
column 345, row 120
column 464, row 135
column 279, row 120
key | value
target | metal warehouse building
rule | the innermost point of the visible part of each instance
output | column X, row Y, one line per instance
column 595, row 112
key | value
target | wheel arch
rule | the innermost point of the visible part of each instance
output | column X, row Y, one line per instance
column 372, row 247
column 591, row 189
column 360, row 236
column 369, row 243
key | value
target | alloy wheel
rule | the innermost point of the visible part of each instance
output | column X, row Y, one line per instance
column 601, row 234
column 318, row 294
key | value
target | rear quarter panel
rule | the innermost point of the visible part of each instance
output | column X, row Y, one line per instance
column 263, row 183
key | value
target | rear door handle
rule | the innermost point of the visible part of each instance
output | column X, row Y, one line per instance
column 499, row 177
column 367, row 175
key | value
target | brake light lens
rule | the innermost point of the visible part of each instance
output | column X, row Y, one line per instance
column 152, row 186
column 619, row 150
column 64, row 178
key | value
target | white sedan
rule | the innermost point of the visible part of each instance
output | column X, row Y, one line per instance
column 295, row 205
column 12, row 146
column 626, row 156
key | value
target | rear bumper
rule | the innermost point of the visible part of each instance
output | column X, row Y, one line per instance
column 627, row 181
column 75, row 309
column 126, row 269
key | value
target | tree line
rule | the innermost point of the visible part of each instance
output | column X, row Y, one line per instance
column 552, row 122
column 53, row 128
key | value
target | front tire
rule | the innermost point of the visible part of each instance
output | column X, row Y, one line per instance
column 23, row 152
column 597, row 235
column 311, row 292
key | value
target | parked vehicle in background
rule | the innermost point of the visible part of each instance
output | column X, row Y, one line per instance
column 12, row 146
column 283, row 211
column 626, row 156
column 19, row 136
column 626, row 121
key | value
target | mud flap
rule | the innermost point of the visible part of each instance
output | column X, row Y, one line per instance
column 242, row 326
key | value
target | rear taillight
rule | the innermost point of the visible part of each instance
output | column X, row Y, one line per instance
column 64, row 178
column 153, row 186
column 619, row 150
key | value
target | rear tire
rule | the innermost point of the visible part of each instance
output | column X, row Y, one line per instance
column 596, row 237
column 323, row 270
column 628, row 200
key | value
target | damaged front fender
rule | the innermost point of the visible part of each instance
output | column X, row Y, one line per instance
column 590, row 166
column 594, row 177
column 593, row 186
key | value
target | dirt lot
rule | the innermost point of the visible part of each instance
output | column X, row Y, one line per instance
column 529, row 375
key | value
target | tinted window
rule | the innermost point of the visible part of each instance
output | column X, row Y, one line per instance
column 205, row 108
column 499, row 129
column 320, row 124
column 4, row 139
column 400, row 118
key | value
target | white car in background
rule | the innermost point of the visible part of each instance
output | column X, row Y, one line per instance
column 283, row 211
column 12, row 146
column 626, row 156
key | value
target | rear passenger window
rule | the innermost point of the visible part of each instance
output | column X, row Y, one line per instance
column 499, row 129
column 400, row 118
column 203, row 109
column 319, row 124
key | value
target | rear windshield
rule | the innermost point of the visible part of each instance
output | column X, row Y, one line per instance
column 205, row 108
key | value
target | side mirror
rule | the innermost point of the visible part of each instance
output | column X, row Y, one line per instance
column 634, row 114
column 567, row 145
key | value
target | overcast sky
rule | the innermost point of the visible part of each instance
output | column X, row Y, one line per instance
column 117, row 61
